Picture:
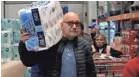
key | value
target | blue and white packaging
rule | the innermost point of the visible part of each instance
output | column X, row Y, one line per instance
column 42, row 21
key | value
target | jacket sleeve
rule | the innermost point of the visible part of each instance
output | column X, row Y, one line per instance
column 90, row 65
column 35, row 71
column 130, row 70
column 31, row 58
column 115, row 53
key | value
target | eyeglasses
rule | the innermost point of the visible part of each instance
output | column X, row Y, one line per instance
column 71, row 23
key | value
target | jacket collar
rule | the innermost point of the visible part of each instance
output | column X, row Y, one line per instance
column 65, row 40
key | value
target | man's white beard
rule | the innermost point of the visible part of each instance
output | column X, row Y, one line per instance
column 72, row 35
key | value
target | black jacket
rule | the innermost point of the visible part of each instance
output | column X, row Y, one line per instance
column 49, row 60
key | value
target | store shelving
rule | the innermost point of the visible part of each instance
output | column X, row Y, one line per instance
column 127, row 16
column 123, row 20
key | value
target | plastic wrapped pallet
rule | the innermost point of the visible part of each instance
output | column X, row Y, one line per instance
column 134, row 7
column 42, row 21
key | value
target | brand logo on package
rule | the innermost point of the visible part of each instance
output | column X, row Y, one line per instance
column 36, row 16
column 41, row 39
column 36, row 19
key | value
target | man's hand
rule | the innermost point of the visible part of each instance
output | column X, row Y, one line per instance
column 24, row 36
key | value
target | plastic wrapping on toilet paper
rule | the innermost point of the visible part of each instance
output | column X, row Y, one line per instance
column 15, row 51
column 10, row 24
column 6, row 53
column 16, row 37
column 6, row 37
column 42, row 21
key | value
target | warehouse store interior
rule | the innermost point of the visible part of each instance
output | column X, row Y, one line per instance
column 115, row 24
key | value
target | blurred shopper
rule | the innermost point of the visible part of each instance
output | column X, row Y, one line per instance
column 132, row 67
column 84, row 35
column 100, row 47
column 94, row 29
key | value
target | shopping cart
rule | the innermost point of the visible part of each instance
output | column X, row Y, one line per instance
column 109, row 68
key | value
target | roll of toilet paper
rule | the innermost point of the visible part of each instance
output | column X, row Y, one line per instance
column 10, row 24
column 6, row 24
column 15, row 51
column 16, row 26
column 42, row 21
column 6, row 53
column 16, row 37
column 6, row 37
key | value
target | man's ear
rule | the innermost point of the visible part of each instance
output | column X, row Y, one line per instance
column 62, row 24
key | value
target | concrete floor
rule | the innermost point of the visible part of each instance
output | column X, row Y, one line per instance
column 13, row 69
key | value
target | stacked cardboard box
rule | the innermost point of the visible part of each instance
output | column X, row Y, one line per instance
column 130, row 42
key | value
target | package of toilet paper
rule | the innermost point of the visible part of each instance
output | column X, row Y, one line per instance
column 15, row 52
column 6, row 24
column 10, row 24
column 6, row 37
column 42, row 21
column 6, row 53
column 16, row 37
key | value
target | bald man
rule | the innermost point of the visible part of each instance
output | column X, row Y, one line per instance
column 70, row 57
